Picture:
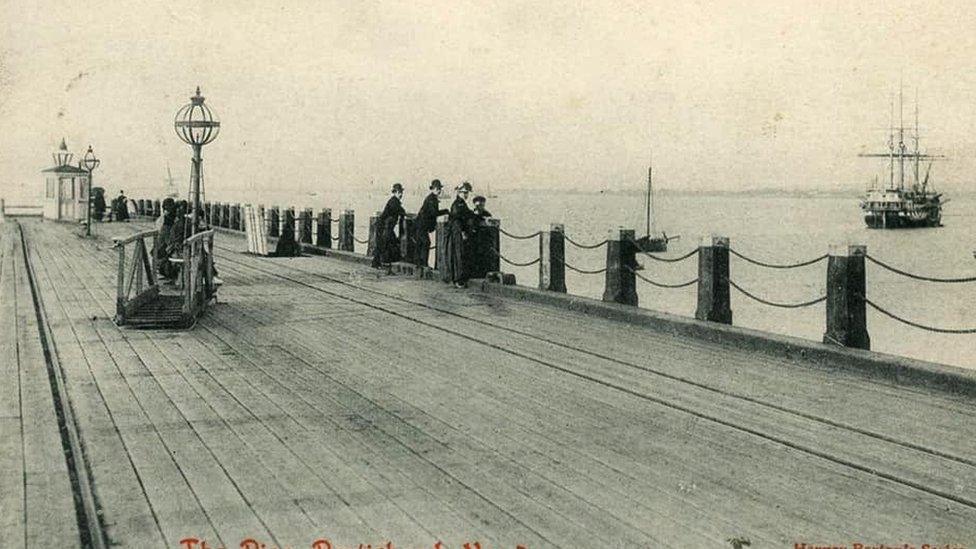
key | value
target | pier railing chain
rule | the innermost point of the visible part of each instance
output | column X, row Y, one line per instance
column 584, row 246
column 919, row 277
column 777, row 304
column 661, row 284
column 893, row 316
column 665, row 259
column 777, row 265
column 578, row 270
column 518, row 236
column 515, row 263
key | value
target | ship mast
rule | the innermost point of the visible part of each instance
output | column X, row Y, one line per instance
column 647, row 201
column 916, row 140
column 901, row 139
column 891, row 145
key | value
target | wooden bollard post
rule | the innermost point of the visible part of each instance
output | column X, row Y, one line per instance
column 157, row 208
column 485, row 244
column 288, row 222
column 323, row 229
column 294, row 226
column 408, row 238
column 552, row 266
column 235, row 217
column 621, row 285
column 371, row 240
column 273, row 223
column 846, row 286
column 713, row 281
column 306, row 226
column 225, row 215
column 347, row 230
column 440, row 261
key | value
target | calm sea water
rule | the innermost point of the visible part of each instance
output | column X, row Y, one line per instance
column 772, row 229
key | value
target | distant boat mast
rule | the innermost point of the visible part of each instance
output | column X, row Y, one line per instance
column 648, row 201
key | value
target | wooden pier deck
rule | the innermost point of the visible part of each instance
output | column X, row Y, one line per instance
column 319, row 400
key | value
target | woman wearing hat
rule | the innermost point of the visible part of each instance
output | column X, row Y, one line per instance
column 387, row 242
column 460, row 224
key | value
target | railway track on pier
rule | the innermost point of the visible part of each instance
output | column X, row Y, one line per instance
column 90, row 528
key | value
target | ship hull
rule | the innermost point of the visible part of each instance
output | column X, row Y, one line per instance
column 902, row 220
column 897, row 209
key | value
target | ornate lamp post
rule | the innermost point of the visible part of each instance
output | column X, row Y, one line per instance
column 90, row 163
column 196, row 125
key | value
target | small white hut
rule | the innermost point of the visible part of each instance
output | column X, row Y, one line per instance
column 66, row 190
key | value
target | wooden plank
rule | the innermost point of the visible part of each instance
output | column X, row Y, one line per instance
column 12, row 500
column 419, row 337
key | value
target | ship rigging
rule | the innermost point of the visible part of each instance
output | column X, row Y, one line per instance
column 899, row 204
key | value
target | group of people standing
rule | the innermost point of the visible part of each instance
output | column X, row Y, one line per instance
column 172, row 229
column 462, row 230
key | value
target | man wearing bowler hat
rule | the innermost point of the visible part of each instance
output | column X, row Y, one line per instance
column 427, row 222
column 387, row 244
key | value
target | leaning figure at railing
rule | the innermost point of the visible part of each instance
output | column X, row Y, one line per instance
column 460, row 225
column 172, row 260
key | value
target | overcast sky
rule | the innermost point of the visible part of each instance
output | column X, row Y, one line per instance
column 323, row 94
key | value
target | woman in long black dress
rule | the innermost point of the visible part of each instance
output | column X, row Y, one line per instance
column 387, row 243
column 460, row 223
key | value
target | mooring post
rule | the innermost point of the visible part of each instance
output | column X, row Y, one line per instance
column 294, row 225
column 306, row 226
column 371, row 239
column 621, row 284
column 347, row 228
column 713, row 280
column 408, row 240
column 273, row 222
column 157, row 208
column 552, row 266
column 493, row 240
column 288, row 222
column 440, row 257
column 846, row 286
column 323, row 229
column 235, row 217
column 225, row 215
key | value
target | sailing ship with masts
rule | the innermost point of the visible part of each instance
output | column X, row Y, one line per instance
column 652, row 241
column 906, row 200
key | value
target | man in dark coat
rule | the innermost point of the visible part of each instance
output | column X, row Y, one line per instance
column 460, row 224
column 427, row 222
column 287, row 245
column 481, row 245
column 387, row 243
column 123, row 207
column 98, row 203
column 479, row 209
